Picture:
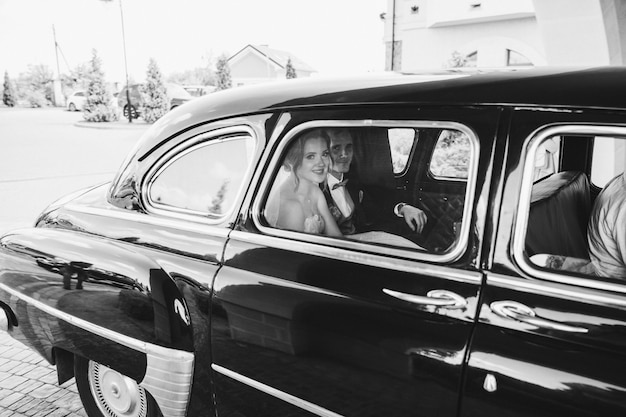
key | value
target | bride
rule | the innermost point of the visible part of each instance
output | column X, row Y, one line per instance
column 300, row 203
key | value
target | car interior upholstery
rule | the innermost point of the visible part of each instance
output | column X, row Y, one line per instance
column 559, row 212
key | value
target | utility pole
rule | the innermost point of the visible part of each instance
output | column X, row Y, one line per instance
column 56, row 50
column 393, row 34
column 56, row 84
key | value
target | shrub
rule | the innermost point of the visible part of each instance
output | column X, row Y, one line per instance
column 224, row 80
column 290, row 71
column 8, row 94
column 98, row 106
column 155, row 102
column 35, row 98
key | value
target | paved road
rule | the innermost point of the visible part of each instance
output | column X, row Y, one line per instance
column 45, row 154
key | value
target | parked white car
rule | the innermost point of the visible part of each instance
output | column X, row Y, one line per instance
column 76, row 100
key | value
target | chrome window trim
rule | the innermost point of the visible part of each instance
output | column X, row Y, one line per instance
column 354, row 253
column 521, row 220
column 556, row 289
column 172, row 392
column 212, row 137
column 272, row 166
column 293, row 400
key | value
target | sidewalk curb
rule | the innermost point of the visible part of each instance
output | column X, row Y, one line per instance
column 112, row 125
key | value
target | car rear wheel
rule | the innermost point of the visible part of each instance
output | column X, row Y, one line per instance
column 105, row 392
column 133, row 112
column 72, row 107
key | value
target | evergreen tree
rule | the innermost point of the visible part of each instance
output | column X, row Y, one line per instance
column 224, row 81
column 37, row 83
column 290, row 71
column 8, row 94
column 155, row 102
column 98, row 107
column 216, row 203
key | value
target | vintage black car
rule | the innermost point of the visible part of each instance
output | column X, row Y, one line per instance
column 171, row 290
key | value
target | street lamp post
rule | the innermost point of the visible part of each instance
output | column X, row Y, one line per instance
column 128, row 105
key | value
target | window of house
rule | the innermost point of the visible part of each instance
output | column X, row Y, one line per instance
column 373, row 197
column 471, row 59
column 204, row 179
column 515, row 59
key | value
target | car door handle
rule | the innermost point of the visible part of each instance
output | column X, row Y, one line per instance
column 520, row 312
column 438, row 298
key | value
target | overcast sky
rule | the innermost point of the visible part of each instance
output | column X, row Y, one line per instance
column 333, row 36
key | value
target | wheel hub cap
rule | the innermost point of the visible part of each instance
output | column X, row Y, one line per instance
column 114, row 394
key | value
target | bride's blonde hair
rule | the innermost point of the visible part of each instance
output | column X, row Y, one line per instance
column 295, row 153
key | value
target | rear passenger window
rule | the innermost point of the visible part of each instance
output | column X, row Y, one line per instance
column 451, row 156
column 353, row 183
column 606, row 162
column 401, row 143
column 563, row 226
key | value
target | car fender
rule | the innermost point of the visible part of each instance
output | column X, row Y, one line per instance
column 102, row 300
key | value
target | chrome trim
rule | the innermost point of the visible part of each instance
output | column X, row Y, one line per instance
column 512, row 310
column 4, row 320
column 298, row 402
column 169, row 372
column 371, row 259
column 212, row 137
column 521, row 221
column 437, row 298
column 266, row 181
column 553, row 289
column 171, row 222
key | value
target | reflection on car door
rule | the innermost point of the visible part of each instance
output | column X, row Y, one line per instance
column 323, row 335
column 300, row 327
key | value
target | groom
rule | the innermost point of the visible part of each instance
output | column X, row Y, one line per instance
column 345, row 197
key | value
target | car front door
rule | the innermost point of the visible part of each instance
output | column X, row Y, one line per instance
column 305, row 323
column 550, row 338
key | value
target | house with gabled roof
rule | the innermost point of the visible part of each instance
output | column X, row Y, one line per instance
column 256, row 64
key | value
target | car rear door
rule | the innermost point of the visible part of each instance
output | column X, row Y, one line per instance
column 550, row 338
column 307, row 324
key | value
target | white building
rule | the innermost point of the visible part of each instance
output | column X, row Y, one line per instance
column 258, row 63
column 426, row 34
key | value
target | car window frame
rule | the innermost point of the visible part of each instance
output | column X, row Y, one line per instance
column 200, row 140
column 518, row 242
column 325, row 244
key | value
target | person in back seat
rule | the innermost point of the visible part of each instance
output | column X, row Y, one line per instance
column 606, row 231
column 344, row 196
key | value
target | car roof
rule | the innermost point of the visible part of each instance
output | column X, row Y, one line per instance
column 536, row 86
column 543, row 87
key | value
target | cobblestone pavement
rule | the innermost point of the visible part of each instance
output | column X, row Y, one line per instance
column 28, row 385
